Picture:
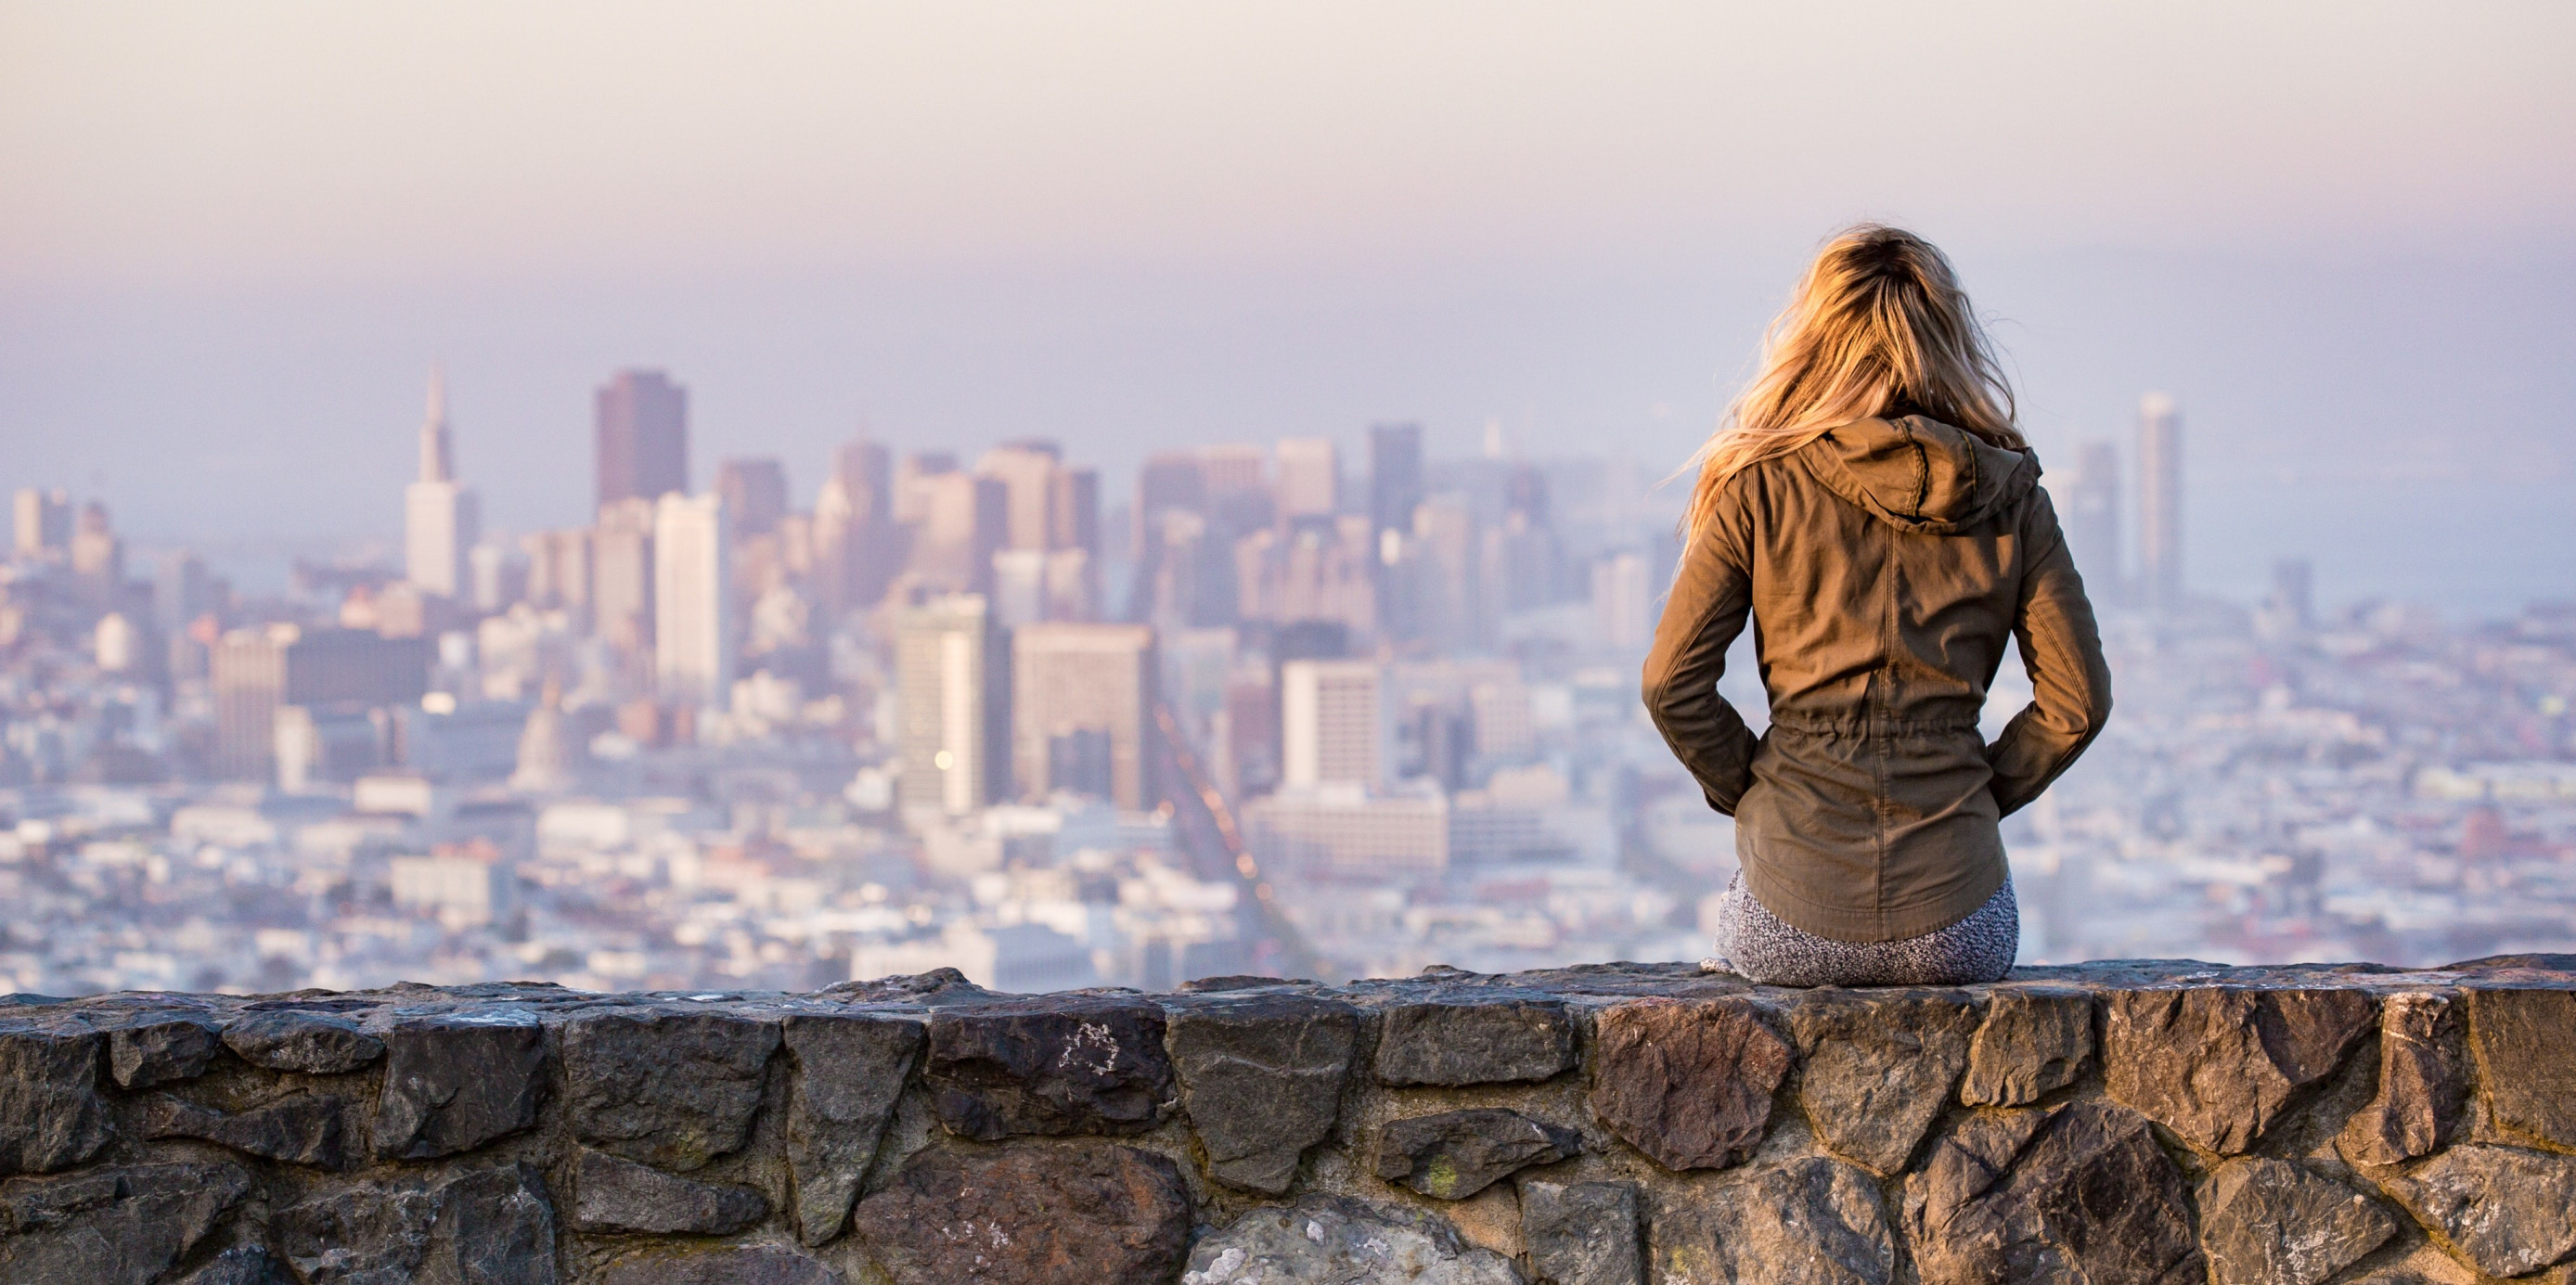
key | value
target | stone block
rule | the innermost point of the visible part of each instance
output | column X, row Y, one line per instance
column 113, row 1226
column 1090, row 1064
column 846, row 1072
column 1343, row 1241
column 161, row 1050
column 2074, row 1193
column 2526, row 1051
column 51, row 1116
column 1810, row 1221
column 1687, row 1082
column 2033, row 1042
column 240, row 1265
column 2267, row 1222
column 2421, row 1083
column 308, row 1043
column 1030, row 1213
column 1473, row 1038
column 302, row 1129
column 2217, row 1065
column 1261, row 1080
column 672, row 1089
column 1455, row 1154
column 727, row 1265
column 486, row 1227
column 2507, row 1211
column 456, row 1083
column 613, row 1194
column 1581, row 1233
column 1876, row 1067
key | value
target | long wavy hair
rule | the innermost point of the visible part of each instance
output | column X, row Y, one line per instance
column 1878, row 327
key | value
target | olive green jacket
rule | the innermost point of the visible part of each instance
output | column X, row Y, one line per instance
column 1883, row 566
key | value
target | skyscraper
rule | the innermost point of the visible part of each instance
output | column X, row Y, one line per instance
column 693, row 628
column 44, row 522
column 2160, row 501
column 2091, row 519
column 953, row 686
column 754, row 493
column 1310, row 477
column 1395, row 475
column 441, row 519
column 1083, row 710
column 1332, row 724
column 643, row 437
column 857, row 547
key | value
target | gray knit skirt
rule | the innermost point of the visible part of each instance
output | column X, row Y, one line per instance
column 1754, row 944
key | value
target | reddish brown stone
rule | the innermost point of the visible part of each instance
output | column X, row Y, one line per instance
column 2078, row 1193
column 1029, row 1214
column 1878, row 1067
column 2420, row 1089
column 1054, row 1065
column 2219, row 1065
column 1688, row 1082
column 2526, row 1050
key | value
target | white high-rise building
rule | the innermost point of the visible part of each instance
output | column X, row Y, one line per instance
column 442, row 520
column 1310, row 477
column 952, row 673
column 2160, row 501
column 1332, row 724
column 693, row 633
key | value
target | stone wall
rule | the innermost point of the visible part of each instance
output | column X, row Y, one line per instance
column 1591, row 1126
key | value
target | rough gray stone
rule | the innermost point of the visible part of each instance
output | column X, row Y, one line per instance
column 2421, row 1086
column 1582, row 1233
column 726, row 1266
column 847, row 1070
column 122, row 1226
column 672, row 1089
column 1345, row 1242
column 2265, row 1222
column 303, row 1128
column 51, row 1116
column 457, row 1082
column 240, row 1265
column 293, row 1040
column 1029, row 1214
column 1811, row 1221
column 2219, row 1065
column 1475, row 1039
column 489, row 1227
column 161, row 1050
column 2507, row 1210
column 1877, row 1067
column 2527, row 1061
column 1456, row 1154
column 1090, row 1064
column 2074, row 1195
column 2034, row 1041
column 1687, row 1082
column 1261, row 1079
column 613, row 1194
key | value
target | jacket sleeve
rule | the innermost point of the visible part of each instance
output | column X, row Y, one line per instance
column 2062, row 652
column 1711, row 598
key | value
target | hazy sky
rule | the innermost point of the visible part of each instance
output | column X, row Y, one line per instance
column 233, row 237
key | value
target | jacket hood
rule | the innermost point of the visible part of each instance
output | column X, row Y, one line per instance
column 1918, row 474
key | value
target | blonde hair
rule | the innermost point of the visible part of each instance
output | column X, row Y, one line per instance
column 1878, row 326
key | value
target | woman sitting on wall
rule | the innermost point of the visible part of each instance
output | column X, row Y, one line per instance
column 1870, row 505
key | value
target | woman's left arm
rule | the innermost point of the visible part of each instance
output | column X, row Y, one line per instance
column 1711, row 598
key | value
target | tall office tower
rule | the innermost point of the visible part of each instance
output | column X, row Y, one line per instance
column 1310, row 477
column 1395, row 475
column 2160, row 501
column 621, row 575
column 255, row 673
column 1027, row 471
column 559, row 569
column 693, row 627
column 182, row 590
column 952, row 677
column 1309, row 569
column 1073, row 511
column 754, row 493
column 1332, row 724
column 1082, row 713
column 441, row 519
column 964, row 522
column 2090, row 517
column 44, row 522
column 98, row 559
column 643, row 437
column 913, row 480
column 1449, row 582
column 857, row 547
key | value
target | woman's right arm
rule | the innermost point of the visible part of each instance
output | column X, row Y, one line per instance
column 1710, row 600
